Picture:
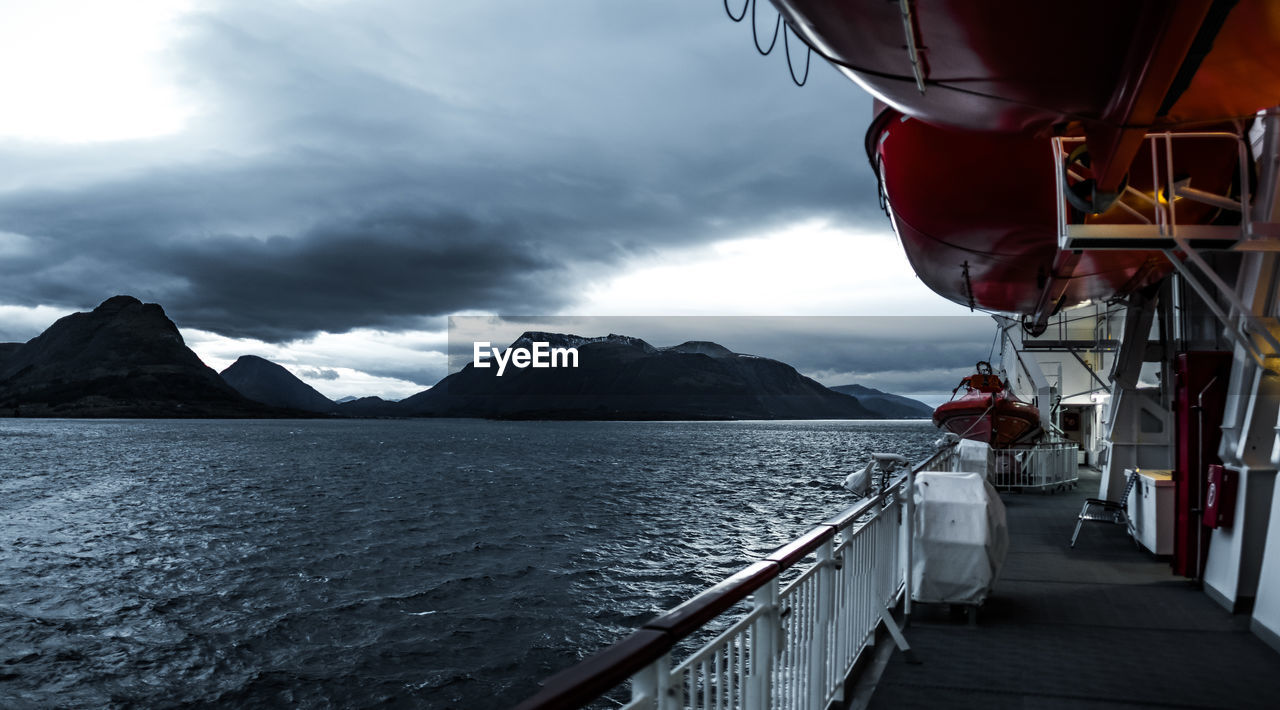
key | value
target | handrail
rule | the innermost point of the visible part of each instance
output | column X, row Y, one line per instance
column 1166, row 231
column 601, row 672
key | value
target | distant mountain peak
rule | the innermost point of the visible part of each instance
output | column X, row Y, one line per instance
column 251, row 358
column 118, row 303
column 568, row 340
column 702, row 347
column 252, row 361
column 267, row 382
column 626, row 340
column 370, row 407
column 624, row 377
column 123, row 358
column 888, row 405
column 560, row 340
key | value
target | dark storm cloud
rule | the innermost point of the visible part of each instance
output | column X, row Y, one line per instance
column 373, row 164
column 385, row 270
column 376, row 272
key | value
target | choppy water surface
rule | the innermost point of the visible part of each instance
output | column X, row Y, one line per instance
column 438, row 564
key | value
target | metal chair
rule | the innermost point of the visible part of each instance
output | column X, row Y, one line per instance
column 1110, row 511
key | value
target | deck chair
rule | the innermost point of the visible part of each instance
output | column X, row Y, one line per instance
column 1106, row 511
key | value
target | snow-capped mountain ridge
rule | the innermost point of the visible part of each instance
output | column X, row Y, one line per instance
column 568, row 340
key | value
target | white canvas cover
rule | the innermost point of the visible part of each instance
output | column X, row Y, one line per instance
column 961, row 537
column 973, row 457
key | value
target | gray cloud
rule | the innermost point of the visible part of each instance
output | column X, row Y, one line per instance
column 319, row 373
column 385, row 272
column 375, row 164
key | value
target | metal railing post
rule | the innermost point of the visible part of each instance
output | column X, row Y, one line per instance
column 818, row 648
column 646, row 685
column 909, row 543
column 764, row 647
column 664, row 693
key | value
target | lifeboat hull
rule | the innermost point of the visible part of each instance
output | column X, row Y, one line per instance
column 976, row 213
column 1107, row 71
column 998, row 419
column 1014, row 66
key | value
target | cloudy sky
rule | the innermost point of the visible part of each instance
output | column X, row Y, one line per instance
column 323, row 182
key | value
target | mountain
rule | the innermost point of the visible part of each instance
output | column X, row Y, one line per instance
column 123, row 359
column 701, row 347
column 344, row 400
column 370, row 407
column 621, row 377
column 127, row 359
column 264, row 381
column 885, row 405
column 6, row 350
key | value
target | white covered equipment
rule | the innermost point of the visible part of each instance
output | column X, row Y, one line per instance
column 973, row 457
column 961, row 538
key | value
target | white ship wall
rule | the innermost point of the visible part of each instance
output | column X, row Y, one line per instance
column 1080, row 385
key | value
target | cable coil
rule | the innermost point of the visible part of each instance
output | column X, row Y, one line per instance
column 750, row 6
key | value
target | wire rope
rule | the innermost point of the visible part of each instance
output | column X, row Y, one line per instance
column 741, row 15
column 777, row 23
column 808, row 55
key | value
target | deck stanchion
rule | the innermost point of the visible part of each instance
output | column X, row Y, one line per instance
column 665, row 695
column 646, row 685
column 818, row 653
column 764, row 647
column 909, row 533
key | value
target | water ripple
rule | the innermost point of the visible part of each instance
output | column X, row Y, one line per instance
column 437, row 564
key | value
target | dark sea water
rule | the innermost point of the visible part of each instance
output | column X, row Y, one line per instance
column 434, row 564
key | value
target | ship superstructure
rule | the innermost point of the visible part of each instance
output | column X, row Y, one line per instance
column 1109, row 193
column 1104, row 179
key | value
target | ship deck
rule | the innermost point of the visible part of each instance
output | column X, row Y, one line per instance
column 1102, row 625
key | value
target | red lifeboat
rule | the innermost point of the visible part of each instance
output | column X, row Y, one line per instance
column 976, row 213
column 1109, row 71
column 988, row 412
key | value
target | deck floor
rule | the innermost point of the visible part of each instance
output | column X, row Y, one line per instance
column 1104, row 625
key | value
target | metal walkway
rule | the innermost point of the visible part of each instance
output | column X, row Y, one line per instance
column 1103, row 625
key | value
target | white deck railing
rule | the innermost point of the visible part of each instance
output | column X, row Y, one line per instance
column 804, row 615
column 1043, row 466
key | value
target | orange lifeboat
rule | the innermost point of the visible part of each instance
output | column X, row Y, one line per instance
column 988, row 412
